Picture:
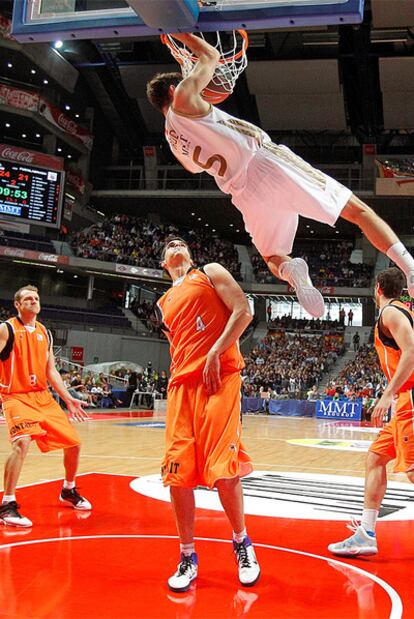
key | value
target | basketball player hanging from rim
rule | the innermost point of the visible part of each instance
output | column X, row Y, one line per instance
column 268, row 183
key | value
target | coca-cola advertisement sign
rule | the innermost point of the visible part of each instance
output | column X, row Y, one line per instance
column 76, row 181
column 59, row 119
column 21, row 99
column 17, row 155
column 13, row 153
column 29, row 254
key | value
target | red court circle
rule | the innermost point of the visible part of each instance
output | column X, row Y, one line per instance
column 109, row 576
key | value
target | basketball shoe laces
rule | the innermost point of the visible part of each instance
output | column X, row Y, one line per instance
column 353, row 524
column 186, row 563
column 242, row 556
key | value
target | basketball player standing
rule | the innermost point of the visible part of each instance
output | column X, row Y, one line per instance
column 394, row 342
column 203, row 314
column 27, row 367
column 268, row 183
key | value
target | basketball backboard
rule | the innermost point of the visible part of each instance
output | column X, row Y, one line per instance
column 48, row 20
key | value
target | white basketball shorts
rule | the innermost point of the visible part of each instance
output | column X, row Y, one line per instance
column 279, row 187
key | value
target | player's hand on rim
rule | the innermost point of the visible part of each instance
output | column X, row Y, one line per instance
column 75, row 409
column 211, row 373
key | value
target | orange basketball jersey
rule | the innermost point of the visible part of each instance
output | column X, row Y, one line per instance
column 24, row 359
column 387, row 348
column 193, row 318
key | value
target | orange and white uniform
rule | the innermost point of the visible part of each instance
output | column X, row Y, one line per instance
column 269, row 184
column 28, row 405
column 202, row 432
column 396, row 439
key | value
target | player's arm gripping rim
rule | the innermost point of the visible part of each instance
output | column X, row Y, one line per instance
column 73, row 405
column 187, row 99
column 400, row 329
column 235, row 300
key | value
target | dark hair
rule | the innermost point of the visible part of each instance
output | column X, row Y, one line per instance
column 158, row 89
column 168, row 241
column 391, row 281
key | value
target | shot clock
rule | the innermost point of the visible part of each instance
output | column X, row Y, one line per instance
column 30, row 193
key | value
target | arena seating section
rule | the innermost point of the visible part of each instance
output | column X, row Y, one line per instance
column 361, row 377
column 107, row 316
column 329, row 264
column 288, row 364
column 137, row 241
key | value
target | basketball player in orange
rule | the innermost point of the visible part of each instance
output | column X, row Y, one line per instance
column 203, row 315
column 27, row 367
column 268, row 183
column 394, row 342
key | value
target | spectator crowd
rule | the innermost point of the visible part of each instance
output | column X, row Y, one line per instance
column 286, row 365
column 137, row 241
column 329, row 265
column 360, row 378
column 97, row 390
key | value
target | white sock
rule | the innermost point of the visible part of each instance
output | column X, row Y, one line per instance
column 68, row 485
column 187, row 549
column 8, row 498
column 369, row 519
column 239, row 537
column 402, row 257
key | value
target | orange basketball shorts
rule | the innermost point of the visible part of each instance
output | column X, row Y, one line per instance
column 396, row 439
column 203, row 434
column 38, row 415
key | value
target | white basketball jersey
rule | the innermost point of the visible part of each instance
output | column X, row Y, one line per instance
column 217, row 143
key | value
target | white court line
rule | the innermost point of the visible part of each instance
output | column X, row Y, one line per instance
column 49, row 481
column 83, row 456
column 396, row 603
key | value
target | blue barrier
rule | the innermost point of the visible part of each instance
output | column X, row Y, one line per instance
column 289, row 408
column 324, row 409
column 339, row 409
column 292, row 408
column 253, row 405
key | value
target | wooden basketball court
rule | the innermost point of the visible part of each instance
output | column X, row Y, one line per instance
column 113, row 562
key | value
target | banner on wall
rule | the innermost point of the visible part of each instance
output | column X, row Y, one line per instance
column 76, row 354
column 76, row 181
column 395, row 176
column 33, row 157
column 17, row 98
column 339, row 409
column 63, row 122
column 29, row 254
column 21, row 99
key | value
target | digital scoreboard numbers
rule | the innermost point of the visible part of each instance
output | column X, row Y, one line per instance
column 30, row 193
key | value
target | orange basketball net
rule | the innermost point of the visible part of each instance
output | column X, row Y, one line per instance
column 232, row 63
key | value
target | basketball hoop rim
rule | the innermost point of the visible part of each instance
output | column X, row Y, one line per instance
column 243, row 33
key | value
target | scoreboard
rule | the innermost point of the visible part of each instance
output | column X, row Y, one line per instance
column 31, row 194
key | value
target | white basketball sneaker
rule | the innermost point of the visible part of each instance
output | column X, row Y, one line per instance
column 249, row 570
column 296, row 273
column 9, row 514
column 360, row 543
column 187, row 571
